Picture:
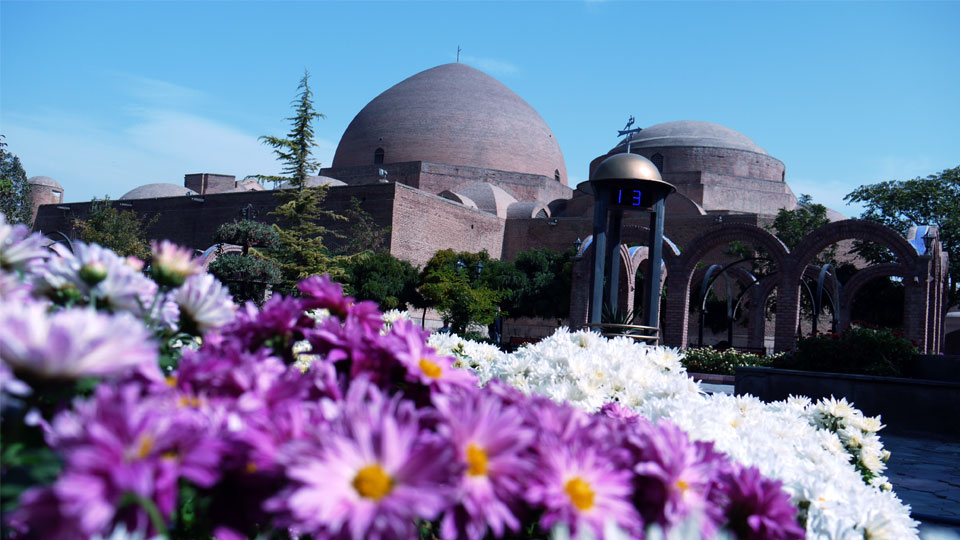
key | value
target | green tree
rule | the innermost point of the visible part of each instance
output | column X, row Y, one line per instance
column 900, row 204
column 457, row 290
column 123, row 231
column 390, row 282
column 15, row 200
column 365, row 234
column 247, row 274
column 544, row 289
column 792, row 226
column 301, row 251
column 295, row 150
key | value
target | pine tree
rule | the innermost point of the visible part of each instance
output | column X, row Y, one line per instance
column 301, row 252
column 296, row 150
column 15, row 200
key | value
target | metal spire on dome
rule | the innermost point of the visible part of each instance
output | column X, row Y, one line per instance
column 628, row 132
column 458, row 53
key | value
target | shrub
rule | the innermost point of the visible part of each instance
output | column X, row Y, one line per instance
column 247, row 276
column 247, row 233
column 708, row 360
column 863, row 351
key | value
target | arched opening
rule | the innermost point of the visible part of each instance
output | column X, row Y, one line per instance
column 657, row 160
column 556, row 174
column 378, row 156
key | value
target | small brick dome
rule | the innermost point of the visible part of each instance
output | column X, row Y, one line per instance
column 691, row 133
column 452, row 114
column 44, row 181
column 156, row 191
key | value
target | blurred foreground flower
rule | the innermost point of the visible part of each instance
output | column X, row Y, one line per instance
column 18, row 247
column 73, row 343
column 173, row 264
column 205, row 304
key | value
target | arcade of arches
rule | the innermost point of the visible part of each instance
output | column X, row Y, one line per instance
column 921, row 268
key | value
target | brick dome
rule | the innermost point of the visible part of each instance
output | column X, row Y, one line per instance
column 452, row 114
column 691, row 133
column 156, row 191
column 44, row 181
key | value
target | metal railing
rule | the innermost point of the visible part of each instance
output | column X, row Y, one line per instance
column 649, row 334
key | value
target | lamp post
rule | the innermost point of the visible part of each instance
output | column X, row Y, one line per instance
column 625, row 183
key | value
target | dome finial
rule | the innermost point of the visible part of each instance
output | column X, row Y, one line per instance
column 458, row 53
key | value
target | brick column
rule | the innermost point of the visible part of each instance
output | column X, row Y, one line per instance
column 676, row 311
column 788, row 309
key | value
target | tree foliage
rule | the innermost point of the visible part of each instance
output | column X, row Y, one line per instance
column 365, row 234
column 247, row 274
column 301, row 252
column 247, row 233
column 536, row 284
column 457, row 291
column 378, row 276
column 15, row 200
column 123, row 231
column 295, row 150
column 792, row 226
column 900, row 204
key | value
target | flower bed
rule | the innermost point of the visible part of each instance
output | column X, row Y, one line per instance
column 156, row 406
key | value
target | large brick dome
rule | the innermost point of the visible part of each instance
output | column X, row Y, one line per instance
column 452, row 114
column 691, row 133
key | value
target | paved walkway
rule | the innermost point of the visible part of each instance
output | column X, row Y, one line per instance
column 924, row 469
column 925, row 472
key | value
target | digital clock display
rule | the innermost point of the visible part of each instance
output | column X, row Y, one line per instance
column 627, row 197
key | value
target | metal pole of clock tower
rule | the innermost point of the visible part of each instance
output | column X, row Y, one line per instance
column 651, row 312
column 613, row 256
column 600, row 206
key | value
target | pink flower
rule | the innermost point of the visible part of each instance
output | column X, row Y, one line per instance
column 371, row 474
column 408, row 344
column 496, row 447
column 172, row 264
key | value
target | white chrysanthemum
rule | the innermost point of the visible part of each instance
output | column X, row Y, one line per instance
column 792, row 441
column 204, row 302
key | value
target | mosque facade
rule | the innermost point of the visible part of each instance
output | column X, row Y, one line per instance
column 452, row 158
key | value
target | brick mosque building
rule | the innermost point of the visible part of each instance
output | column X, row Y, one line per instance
column 452, row 158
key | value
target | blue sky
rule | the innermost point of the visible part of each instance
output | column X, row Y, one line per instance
column 106, row 96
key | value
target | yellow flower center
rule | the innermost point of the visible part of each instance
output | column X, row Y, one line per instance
column 171, row 381
column 251, row 467
column 476, row 460
column 145, row 446
column 430, row 369
column 372, row 482
column 682, row 485
column 580, row 493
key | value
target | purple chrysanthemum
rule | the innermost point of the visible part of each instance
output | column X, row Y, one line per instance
column 371, row 474
column 495, row 444
column 18, row 248
column 280, row 323
column 675, row 476
column 580, row 484
column 73, row 343
column 118, row 443
column 408, row 344
column 757, row 508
